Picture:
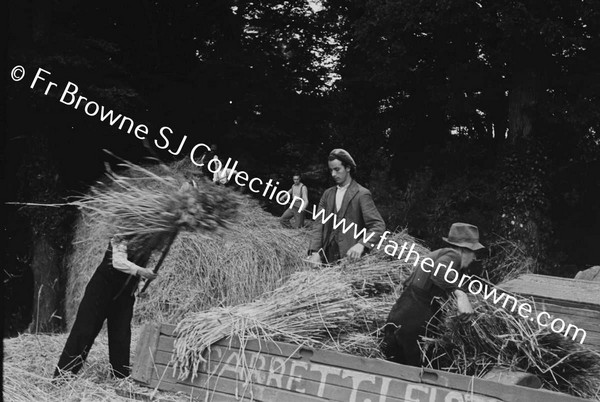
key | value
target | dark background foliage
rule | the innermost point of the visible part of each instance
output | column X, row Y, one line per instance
column 484, row 112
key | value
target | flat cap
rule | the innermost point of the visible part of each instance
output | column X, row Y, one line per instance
column 343, row 156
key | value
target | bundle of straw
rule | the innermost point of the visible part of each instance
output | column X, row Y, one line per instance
column 497, row 337
column 305, row 309
column 326, row 308
column 144, row 202
column 200, row 271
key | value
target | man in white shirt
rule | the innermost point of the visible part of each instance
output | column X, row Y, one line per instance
column 299, row 196
column 348, row 201
column 109, row 295
column 222, row 175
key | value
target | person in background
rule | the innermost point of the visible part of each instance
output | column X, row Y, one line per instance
column 222, row 175
column 423, row 292
column 348, row 201
column 299, row 196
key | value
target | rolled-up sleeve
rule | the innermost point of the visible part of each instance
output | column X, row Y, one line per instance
column 119, row 257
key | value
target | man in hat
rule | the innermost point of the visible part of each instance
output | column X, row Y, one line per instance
column 422, row 292
column 342, row 206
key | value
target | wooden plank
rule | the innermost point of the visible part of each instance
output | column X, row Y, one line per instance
column 530, row 281
column 583, row 318
column 556, row 280
column 311, row 379
column 223, row 388
column 567, row 312
column 327, row 375
column 167, row 343
column 440, row 378
column 344, row 387
column 584, row 292
column 563, row 303
column 504, row 375
column 144, row 352
column 388, row 390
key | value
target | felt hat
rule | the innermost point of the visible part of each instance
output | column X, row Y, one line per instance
column 343, row 156
column 464, row 235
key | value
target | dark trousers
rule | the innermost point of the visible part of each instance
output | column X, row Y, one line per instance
column 406, row 322
column 289, row 214
column 332, row 252
column 96, row 306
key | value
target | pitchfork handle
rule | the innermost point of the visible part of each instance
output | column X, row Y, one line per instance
column 162, row 258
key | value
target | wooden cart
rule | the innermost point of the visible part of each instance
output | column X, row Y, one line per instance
column 282, row 372
column 574, row 301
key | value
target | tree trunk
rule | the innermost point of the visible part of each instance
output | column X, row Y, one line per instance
column 39, row 182
column 521, row 100
column 45, row 265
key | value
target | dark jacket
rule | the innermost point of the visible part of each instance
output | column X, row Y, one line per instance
column 358, row 208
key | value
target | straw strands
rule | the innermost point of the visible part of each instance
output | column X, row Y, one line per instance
column 497, row 337
column 229, row 267
column 315, row 307
column 28, row 365
column 143, row 202
column 308, row 306
column 238, row 267
column 199, row 272
column 342, row 307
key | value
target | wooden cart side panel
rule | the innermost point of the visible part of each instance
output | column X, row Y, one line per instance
column 274, row 371
column 144, row 352
column 575, row 302
column 585, row 293
column 298, row 387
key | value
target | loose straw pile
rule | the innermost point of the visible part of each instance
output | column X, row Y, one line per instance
column 497, row 337
column 201, row 273
column 29, row 362
column 310, row 307
column 324, row 308
column 342, row 307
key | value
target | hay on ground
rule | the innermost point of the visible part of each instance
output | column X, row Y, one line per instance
column 29, row 362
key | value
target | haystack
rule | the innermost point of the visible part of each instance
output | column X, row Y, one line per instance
column 232, row 266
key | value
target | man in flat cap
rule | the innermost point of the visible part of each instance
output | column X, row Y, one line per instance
column 424, row 292
column 344, row 205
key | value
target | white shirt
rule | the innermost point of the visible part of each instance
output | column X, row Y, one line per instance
column 222, row 176
column 339, row 196
column 303, row 195
column 119, row 257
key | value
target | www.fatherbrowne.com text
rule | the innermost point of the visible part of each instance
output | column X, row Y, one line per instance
column 71, row 97
column 452, row 276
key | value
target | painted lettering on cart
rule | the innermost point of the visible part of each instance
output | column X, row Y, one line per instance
column 329, row 382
